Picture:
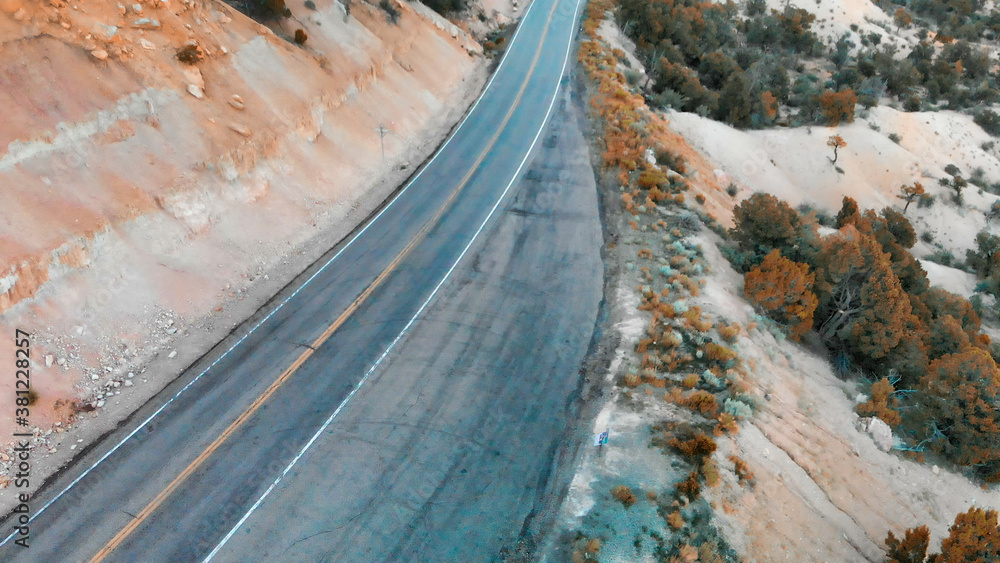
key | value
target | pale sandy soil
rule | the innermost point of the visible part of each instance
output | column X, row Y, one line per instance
column 141, row 223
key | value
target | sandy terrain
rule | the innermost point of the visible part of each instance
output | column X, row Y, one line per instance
column 151, row 205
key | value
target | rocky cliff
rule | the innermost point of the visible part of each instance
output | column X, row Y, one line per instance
column 166, row 165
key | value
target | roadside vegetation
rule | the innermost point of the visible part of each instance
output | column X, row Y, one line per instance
column 857, row 293
column 685, row 357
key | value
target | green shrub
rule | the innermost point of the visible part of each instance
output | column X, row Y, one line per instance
column 669, row 99
column 989, row 121
column 266, row 9
column 391, row 13
column 943, row 257
column 895, row 138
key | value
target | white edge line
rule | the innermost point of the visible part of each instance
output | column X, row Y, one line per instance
column 371, row 370
column 296, row 292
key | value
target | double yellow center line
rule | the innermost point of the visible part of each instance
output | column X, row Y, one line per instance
column 122, row 535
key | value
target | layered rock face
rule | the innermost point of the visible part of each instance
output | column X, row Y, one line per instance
column 164, row 165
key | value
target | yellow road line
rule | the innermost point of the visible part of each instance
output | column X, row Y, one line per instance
column 285, row 375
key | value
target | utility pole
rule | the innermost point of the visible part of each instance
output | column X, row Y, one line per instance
column 381, row 135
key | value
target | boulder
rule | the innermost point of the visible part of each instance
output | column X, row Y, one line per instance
column 146, row 23
column 880, row 432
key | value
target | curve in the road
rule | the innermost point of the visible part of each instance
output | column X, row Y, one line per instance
column 205, row 454
column 281, row 304
column 93, row 513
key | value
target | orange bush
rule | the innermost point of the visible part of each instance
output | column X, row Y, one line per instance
column 782, row 288
column 881, row 404
column 719, row 353
column 675, row 520
column 703, row 402
column 838, row 107
column 690, row 487
column 742, row 470
column 624, row 495
column 698, row 446
column 726, row 424
column 729, row 332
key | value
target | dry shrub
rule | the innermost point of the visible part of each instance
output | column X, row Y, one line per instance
column 703, row 402
column 190, row 54
column 624, row 495
column 726, row 424
column 742, row 471
column 656, row 382
column 710, row 471
column 645, row 253
column 675, row 395
column 696, row 447
column 690, row 380
column 700, row 199
column 632, row 379
column 669, row 340
column 729, row 333
column 719, row 353
column 675, row 520
column 690, row 487
column 301, row 37
column 689, row 285
column 593, row 545
column 881, row 404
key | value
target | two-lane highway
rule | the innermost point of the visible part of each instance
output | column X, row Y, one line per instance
column 356, row 418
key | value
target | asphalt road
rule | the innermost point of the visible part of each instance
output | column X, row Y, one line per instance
column 308, row 441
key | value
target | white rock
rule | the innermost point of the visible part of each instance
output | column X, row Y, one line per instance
column 100, row 404
column 935, row 469
column 146, row 23
column 48, row 361
column 195, row 91
column 95, row 377
column 172, row 354
column 105, row 32
column 128, row 383
column 137, row 8
column 101, row 55
column 130, row 375
column 880, row 432
column 20, row 14
column 193, row 75
column 241, row 129
column 146, row 44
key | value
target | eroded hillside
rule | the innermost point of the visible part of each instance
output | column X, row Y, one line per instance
column 167, row 166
